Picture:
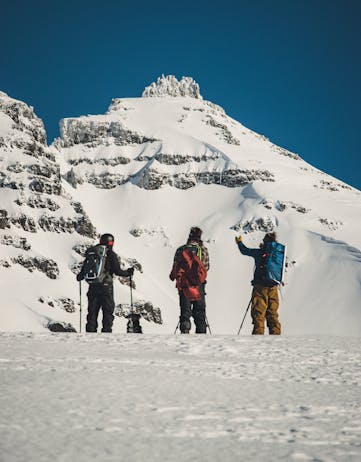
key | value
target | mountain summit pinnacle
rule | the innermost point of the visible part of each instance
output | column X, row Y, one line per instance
column 169, row 86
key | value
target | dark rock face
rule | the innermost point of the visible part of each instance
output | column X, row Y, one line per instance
column 64, row 303
column 92, row 133
column 281, row 206
column 40, row 185
column 37, row 201
column 15, row 241
column 264, row 224
column 223, row 131
column 144, row 309
column 332, row 225
column 24, row 118
column 55, row 224
column 152, row 179
column 332, row 186
column 24, row 222
column 4, row 219
column 44, row 265
column 112, row 162
column 107, row 180
column 80, row 224
column 55, row 326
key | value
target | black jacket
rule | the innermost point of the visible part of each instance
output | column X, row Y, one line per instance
column 259, row 272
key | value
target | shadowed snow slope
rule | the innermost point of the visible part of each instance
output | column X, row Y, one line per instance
column 148, row 170
column 179, row 398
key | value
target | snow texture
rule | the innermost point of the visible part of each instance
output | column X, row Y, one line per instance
column 179, row 398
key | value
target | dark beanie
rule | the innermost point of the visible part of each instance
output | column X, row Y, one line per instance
column 195, row 234
column 270, row 237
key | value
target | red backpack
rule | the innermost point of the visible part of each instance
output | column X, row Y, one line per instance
column 190, row 272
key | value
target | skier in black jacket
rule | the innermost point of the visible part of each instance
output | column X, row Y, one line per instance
column 101, row 295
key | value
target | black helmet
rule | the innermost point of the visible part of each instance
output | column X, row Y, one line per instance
column 107, row 239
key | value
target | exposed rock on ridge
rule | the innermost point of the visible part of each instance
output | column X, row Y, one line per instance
column 170, row 86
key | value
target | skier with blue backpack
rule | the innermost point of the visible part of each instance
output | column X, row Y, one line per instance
column 269, row 265
column 99, row 266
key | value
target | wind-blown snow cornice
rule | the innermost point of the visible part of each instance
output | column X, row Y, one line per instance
column 169, row 86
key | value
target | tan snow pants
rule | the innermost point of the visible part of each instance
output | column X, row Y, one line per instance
column 265, row 304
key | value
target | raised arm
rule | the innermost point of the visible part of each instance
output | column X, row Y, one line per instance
column 244, row 249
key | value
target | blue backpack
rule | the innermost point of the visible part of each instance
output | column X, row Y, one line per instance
column 274, row 258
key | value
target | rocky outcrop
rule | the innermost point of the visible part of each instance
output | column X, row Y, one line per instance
column 332, row 186
column 23, row 118
column 145, row 309
column 111, row 162
column 25, row 222
column 63, row 303
column 37, row 201
column 44, row 265
column 223, row 131
column 281, row 206
column 56, row 326
column 106, row 180
column 152, row 179
column 169, row 86
column 265, row 224
column 93, row 132
column 332, row 225
column 15, row 241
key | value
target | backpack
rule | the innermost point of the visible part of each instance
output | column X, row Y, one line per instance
column 274, row 257
column 190, row 261
column 190, row 272
column 94, row 264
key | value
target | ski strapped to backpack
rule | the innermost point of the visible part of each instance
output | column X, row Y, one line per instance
column 274, row 258
column 190, row 272
column 94, row 264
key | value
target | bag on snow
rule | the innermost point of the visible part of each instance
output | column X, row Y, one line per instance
column 94, row 264
column 274, row 258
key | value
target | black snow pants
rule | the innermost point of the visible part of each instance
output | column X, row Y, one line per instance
column 100, row 296
column 197, row 309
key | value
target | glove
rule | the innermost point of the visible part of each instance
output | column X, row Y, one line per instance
column 130, row 271
column 238, row 239
column 79, row 277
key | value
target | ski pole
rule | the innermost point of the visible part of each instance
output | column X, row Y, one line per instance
column 176, row 327
column 131, row 294
column 207, row 323
column 80, row 307
column 244, row 317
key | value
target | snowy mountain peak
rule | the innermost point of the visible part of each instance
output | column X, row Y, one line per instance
column 169, row 85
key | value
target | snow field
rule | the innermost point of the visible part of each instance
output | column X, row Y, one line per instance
column 179, row 398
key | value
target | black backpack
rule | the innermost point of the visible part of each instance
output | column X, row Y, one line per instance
column 94, row 264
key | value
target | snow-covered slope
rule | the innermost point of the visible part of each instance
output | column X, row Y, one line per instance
column 179, row 398
column 148, row 170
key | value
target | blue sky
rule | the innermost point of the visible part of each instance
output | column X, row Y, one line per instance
column 290, row 70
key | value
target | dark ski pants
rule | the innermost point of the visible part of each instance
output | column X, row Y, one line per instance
column 100, row 296
column 265, row 304
column 189, row 308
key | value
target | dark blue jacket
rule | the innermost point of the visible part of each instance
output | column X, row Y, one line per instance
column 259, row 272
